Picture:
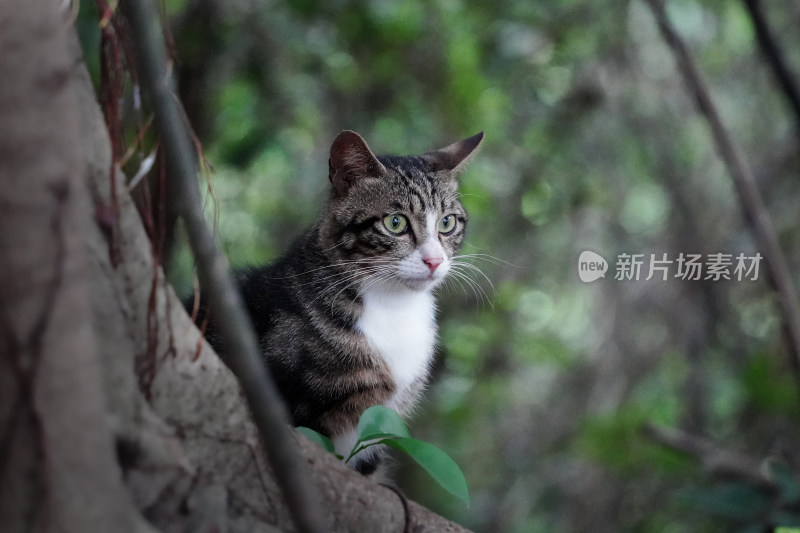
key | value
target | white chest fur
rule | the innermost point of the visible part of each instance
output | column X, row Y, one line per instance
column 400, row 325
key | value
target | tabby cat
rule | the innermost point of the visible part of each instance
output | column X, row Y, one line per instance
column 346, row 318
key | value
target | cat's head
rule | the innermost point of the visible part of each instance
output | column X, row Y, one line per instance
column 397, row 220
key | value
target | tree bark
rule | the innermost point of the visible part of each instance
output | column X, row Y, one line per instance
column 58, row 470
column 84, row 446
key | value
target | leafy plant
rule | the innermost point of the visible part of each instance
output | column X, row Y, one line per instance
column 319, row 439
column 381, row 425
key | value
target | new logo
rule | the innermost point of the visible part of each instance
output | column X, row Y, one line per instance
column 591, row 266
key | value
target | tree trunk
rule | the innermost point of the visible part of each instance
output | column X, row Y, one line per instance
column 87, row 444
column 58, row 469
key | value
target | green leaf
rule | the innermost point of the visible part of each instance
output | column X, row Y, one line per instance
column 787, row 530
column 437, row 463
column 381, row 425
column 379, row 422
column 317, row 438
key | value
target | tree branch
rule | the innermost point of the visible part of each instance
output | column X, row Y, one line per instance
column 749, row 196
column 774, row 56
column 716, row 460
column 242, row 354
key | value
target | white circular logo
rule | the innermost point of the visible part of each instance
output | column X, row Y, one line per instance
column 591, row 266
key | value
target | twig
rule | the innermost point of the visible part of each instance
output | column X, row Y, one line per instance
column 774, row 56
column 242, row 354
column 749, row 197
column 717, row 461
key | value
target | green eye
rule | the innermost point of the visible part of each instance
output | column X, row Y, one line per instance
column 395, row 223
column 447, row 224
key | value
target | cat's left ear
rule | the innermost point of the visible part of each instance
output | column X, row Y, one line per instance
column 454, row 157
column 350, row 160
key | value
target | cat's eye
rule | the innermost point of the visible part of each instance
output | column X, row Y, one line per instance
column 447, row 224
column 395, row 223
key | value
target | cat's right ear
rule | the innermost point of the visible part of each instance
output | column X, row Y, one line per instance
column 350, row 160
column 452, row 158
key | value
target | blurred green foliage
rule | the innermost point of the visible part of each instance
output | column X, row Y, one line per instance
column 592, row 143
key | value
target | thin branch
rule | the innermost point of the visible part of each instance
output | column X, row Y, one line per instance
column 715, row 460
column 774, row 56
column 242, row 353
column 749, row 196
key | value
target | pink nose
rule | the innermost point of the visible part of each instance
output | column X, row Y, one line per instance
column 432, row 262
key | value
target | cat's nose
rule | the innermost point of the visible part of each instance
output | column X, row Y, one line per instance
column 432, row 262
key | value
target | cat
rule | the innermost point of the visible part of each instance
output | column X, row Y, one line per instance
column 346, row 318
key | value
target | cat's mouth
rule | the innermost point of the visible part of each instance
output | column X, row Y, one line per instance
column 418, row 284
column 421, row 282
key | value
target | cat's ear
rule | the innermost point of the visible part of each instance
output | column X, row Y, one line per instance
column 350, row 160
column 453, row 157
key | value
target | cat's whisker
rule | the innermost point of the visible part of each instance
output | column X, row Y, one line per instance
column 368, row 282
column 330, row 277
column 450, row 281
column 472, row 282
column 378, row 278
column 463, row 195
column 457, row 270
column 480, row 293
column 368, row 273
column 349, row 279
column 334, row 280
column 335, row 246
column 347, row 286
column 460, row 276
column 485, row 257
column 370, row 263
column 474, row 268
column 451, row 198
column 344, row 262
